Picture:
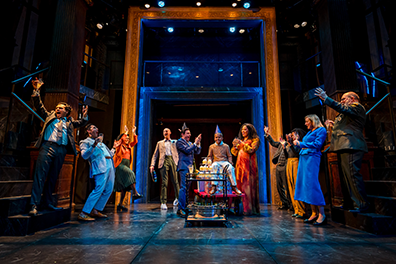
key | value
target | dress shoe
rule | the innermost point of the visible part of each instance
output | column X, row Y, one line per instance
column 181, row 213
column 136, row 196
column 176, row 202
column 97, row 214
column 324, row 222
column 121, row 208
column 235, row 189
column 85, row 217
column 164, row 207
column 33, row 210
column 294, row 215
column 299, row 216
column 307, row 221
column 53, row 208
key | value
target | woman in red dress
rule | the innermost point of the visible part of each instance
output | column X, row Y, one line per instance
column 245, row 147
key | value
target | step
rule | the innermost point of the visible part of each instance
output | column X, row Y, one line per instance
column 22, row 225
column 15, row 188
column 15, row 159
column 369, row 222
column 383, row 205
column 16, row 205
column 14, row 173
column 381, row 188
column 384, row 174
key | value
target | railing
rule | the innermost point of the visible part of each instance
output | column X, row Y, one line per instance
column 20, row 100
column 201, row 73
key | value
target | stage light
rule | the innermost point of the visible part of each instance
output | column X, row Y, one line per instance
column 241, row 31
column 246, row 5
column 170, row 29
column 201, row 30
column 303, row 24
column 161, row 3
column 99, row 25
column 147, row 6
column 199, row 3
column 296, row 25
column 232, row 29
column 234, row 4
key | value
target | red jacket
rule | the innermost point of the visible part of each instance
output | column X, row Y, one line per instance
column 121, row 151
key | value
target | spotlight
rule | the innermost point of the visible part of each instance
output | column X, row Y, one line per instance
column 232, row 29
column 246, row 5
column 170, row 29
column 234, row 4
column 147, row 6
column 303, row 24
column 161, row 3
column 199, row 3
column 296, row 25
column 241, row 31
column 201, row 30
column 99, row 25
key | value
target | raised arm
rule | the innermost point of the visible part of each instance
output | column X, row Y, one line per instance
column 87, row 149
column 354, row 109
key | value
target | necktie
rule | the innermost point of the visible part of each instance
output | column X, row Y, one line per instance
column 59, row 134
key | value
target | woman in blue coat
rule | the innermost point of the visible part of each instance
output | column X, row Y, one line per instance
column 307, row 185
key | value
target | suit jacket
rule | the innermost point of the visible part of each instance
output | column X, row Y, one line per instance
column 160, row 149
column 348, row 126
column 278, row 145
column 49, row 117
column 95, row 156
column 186, row 151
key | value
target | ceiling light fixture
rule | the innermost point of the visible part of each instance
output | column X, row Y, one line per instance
column 296, row 25
column 161, row 3
column 241, row 31
column 200, row 30
column 232, row 29
column 99, row 25
column 246, row 5
column 147, row 6
column 234, row 4
column 303, row 24
column 199, row 3
column 170, row 29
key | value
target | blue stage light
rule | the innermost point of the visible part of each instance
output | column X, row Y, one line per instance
column 246, row 5
column 170, row 29
column 232, row 29
column 161, row 3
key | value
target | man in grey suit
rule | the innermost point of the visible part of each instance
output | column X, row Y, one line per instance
column 348, row 141
column 102, row 170
column 167, row 165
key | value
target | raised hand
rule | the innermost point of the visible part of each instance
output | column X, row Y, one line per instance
column 36, row 83
column 134, row 130
column 116, row 144
column 296, row 142
column 282, row 141
column 329, row 123
column 126, row 129
column 85, row 110
column 320, row 93
column 266, row 130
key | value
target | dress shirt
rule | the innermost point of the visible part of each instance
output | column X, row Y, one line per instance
column 51, row 133
column 168, row 151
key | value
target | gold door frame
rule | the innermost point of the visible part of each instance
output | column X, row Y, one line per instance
column 272, row 82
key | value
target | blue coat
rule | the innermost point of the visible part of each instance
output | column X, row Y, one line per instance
column 95, row 155
column 186, row 152
column 313, row 141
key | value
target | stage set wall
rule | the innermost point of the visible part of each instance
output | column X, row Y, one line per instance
column 265, row 100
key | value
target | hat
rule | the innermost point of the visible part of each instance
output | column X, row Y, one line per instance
column 217, row 130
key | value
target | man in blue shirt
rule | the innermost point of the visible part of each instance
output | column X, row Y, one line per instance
column 55, row 140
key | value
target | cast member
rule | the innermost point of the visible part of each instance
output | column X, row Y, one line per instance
column 245, row 147
column 56, row 139
column 348, row 141
column 125, row 179
column 167, row 165
column 101, row 169
column 186, row 151
column 307, row 185
column 220, row 154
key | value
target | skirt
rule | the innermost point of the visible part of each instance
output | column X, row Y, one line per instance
column 124, row 176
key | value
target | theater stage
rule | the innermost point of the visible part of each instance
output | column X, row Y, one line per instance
column 147, row 235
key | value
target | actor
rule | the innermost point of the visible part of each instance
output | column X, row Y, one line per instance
column 167, row 165
column 348, row 142
column 220, row 154
column 125, row 179
column 102, row 170
column 307, row 185
column 56, row 139
column 280, row 160
column 186, row 151
column 245, row 147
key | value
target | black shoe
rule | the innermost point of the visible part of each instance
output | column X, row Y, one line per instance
column 324, row 222
column 294, row 215
column 33, row 210
column 53, row 208
column 136, row 196
column 307, row 221
column 181, row 213
column 299, row 216
column 121, row 208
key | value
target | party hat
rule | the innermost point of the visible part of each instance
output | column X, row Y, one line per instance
column 217, row 130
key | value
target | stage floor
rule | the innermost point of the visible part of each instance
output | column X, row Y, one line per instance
column 146, row 234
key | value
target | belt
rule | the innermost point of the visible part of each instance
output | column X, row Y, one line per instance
column 108, row 157
column 53, row 143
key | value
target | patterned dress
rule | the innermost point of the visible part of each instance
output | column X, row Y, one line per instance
column 247, row 174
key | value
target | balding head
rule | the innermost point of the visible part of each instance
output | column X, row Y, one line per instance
column 349, row 98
